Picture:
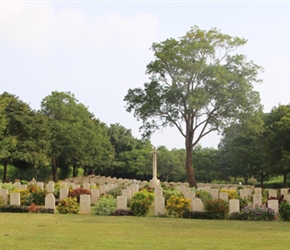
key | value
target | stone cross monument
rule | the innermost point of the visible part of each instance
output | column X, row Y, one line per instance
column 154, row 182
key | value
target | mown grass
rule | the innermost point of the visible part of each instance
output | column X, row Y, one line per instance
column 57, row 231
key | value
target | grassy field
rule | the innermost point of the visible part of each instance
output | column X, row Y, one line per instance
column 56, row 231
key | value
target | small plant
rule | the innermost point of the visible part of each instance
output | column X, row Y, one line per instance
column 8, row 186
column 115, row 192
column 233, row 194
column 1, row 201
column 37, row 195
column 122, row 212
column 284, row 211
column 218, row 208
column 105, row 205
column 177, row 205
column 75, row 193
column 258, row 213
column 141, row 203
column 14, row 209
column 33, row 208
column 167, row 193
column 68, row 206
column 196, row 215
column 203, row 195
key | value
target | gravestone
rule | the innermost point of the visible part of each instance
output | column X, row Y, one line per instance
column 207, row 188
column 4, row 195
column 40, row 185
column 190, row 194
column 87, row 186
column 122, row 202
column 50, row 201
column 243, row 193
column 95, row 193
column 158, row 192
column 274, row 204
column 127, row 192
column 154, row 182
column 197, row 205
column 234, row 205
column 287, row 198
column 257, row 198
column 85, row 203
column 15, row 199
column 63, row 193
column 22, row 187
column 258, row 190
column 214, row 193
column 50, row 187
column 159, row 206
column 224, row 196
column 272, row 193
column 284, row 191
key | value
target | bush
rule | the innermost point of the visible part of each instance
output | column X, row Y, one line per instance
column 167, row 193
column 8, row 186
column 37, row 195
column 115, row 192
column 141, row 203
column 14, row 209
column 33, row 208
column 217, row 209
column 122, row 212
column 196, row 215
column 177, row 205
column 68, row 206
column 258, row 213
column 284, row 211
column 203, row 195
column 46, row 210
column 105, row 205
column 243, row 202
column 77, row 192
column 233, row 194
column 237, row 216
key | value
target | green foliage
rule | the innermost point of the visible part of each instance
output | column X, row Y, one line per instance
column 217, row 209
column 68, row 206
column 37, row 195
column 122, row 212
column 233, row 194
column 284, row 211
column 141, row 202
column 105, row 205
column 203, row 195
column 13, row 209
column 177, row 205
column 115, row 192
column 8, row 186
column 258, row 213
column 76, row 193
column 167, row 193
column 196, row 215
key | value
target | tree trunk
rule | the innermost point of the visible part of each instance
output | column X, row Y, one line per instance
column 5, row 172
column 189, row 168
column 262, row 181
column 54, row 169
column 284, row 180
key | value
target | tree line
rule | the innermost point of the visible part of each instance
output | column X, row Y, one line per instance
column 64, row 139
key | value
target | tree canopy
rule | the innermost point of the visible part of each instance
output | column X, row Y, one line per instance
column 198, row 85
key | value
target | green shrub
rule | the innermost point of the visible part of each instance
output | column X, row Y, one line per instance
column 122, row 212
column 258, row 213
column 8, row 186
column 37, row 195
column 76, row 193
column 237, row 216
column 1, row 201
column 14, row 209
column 284, row 211
column 177, row 205
column 105, row 205
column 243, row 202
column 141, row 202
column 196, row 215
column 115, row 192
column 167, row 193
column 46, row 210
column 217, row 209
column 203, row 195
column 68, row 206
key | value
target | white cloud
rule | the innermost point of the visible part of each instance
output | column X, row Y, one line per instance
column 36, row 27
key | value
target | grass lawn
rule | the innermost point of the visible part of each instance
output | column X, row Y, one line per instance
column 57, row 231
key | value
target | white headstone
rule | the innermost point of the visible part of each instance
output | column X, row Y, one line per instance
column 86, row 185
column 258, row 190
column 197, row 205
column 127, row 192
column 4, row 195
column 50, row 187
column 257, row 198
column 234, row 205
column 122, row 202
column 284, row 191
column 224, row 196
column 40, row 185
column 159, row 205
column 63, row 193
column 50, row 201
column 214, row 193
column 272, row 193
column 274, row 204
column 15, row 198
column 95, row 193
column 85, row 203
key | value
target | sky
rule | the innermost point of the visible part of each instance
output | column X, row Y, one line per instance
column 98, row 50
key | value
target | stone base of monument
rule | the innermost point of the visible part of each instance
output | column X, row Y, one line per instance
column 154, row 183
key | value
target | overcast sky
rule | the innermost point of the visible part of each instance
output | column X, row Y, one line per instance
column 99, row 49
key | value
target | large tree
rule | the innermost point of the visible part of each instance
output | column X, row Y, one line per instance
column 198, row 85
